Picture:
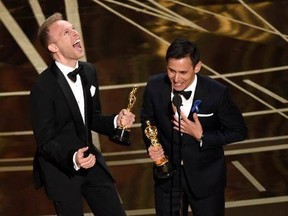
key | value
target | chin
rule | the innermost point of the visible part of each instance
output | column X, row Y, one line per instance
column 179, row 87
column 80, row 56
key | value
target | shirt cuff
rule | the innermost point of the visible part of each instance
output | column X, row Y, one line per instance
column 115, row 121
column 201, row 140
column 74, row 162
column 201, row 143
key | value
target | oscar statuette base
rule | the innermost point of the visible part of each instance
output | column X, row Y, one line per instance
column 121, row 136
column 163, row 171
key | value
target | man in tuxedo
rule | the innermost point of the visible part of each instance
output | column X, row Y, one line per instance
column 65, row 107
column 192, row 141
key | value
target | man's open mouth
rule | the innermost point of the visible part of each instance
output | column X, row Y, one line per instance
column 77, row 45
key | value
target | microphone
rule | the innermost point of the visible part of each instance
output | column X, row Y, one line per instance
column 177, row 101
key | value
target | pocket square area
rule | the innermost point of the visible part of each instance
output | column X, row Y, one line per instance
column 92, row 90
column 205, row 115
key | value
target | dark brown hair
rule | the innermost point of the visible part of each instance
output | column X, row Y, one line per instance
column 181, row 48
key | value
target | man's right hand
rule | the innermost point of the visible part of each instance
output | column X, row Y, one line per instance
column 156, row 153
column 85, row 162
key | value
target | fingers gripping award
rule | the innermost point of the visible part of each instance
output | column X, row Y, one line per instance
column 163, row 168
column 121, row 134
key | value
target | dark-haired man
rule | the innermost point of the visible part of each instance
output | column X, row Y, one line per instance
column 193, row 141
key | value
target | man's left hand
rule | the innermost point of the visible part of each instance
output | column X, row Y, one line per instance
column 189, row 127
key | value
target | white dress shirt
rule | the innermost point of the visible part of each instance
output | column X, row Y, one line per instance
column 187, row 104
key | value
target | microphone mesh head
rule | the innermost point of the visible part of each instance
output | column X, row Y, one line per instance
column 177, row 100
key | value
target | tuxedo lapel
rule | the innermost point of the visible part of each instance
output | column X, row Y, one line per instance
column 87, row 98
column 71, row 101
column 199, row 93
column 87, row 106
column 166, row 95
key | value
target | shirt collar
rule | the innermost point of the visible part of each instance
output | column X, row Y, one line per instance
column 64, row 68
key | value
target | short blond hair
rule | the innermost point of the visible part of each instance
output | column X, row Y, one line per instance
column 43, row 31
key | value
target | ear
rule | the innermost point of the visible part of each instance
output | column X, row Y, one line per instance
column 52, row 48
column 198, row 67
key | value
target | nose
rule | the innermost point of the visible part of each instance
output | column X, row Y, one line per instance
column 176, row 77
column 75, row 33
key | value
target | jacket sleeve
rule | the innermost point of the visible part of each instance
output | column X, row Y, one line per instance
column 230, row 125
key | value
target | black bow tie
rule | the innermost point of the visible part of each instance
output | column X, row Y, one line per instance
column 186, row 94
column 72, row 75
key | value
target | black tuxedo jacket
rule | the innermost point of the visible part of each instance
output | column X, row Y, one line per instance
column 60, row 131
column 222, row 124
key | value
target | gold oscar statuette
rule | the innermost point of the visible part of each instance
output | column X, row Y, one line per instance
column 162, row 168
column 121, row 134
